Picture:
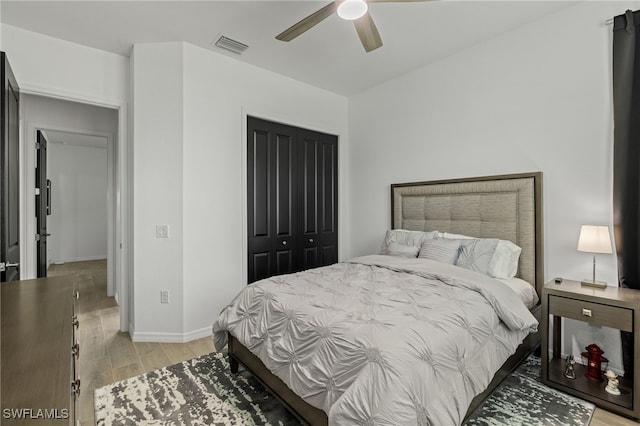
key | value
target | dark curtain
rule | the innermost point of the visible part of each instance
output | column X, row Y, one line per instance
column 626, row 167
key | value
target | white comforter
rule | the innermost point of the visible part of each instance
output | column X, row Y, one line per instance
column 379, row 339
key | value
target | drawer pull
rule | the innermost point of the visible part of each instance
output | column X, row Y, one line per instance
column 75, row 387
column 586, row 312
column 76, row 295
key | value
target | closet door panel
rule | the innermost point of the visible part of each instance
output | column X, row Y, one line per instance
column 309, row 193
column 285, row 181
column 260, row 182
column 320, row 195
column 271, row 199
column 259, row 266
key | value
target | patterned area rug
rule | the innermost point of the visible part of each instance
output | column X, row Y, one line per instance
column 202, row 391
column 523, row 400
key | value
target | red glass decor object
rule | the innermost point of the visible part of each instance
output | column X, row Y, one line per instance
column 594, row 359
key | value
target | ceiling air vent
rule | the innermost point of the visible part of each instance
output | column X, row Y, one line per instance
column 231, row 45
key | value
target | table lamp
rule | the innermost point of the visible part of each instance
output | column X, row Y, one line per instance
column 594, row 239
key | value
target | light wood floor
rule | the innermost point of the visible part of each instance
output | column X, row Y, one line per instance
column 107, row 355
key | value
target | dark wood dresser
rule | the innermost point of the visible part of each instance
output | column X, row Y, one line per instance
column 39, row 352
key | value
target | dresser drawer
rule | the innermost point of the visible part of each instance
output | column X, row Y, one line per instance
column 594, row 313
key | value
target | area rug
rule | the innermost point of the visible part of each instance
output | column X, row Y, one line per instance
column 203, row 391
column 523, row 400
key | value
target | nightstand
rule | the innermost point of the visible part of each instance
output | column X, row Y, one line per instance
column 613, row 307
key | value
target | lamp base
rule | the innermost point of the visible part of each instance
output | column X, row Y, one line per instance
column 592, row 283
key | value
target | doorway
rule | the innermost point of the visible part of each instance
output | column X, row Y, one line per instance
column 83, row 162
column 77, row 225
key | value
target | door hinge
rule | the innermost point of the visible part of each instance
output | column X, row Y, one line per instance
column 37, row 237
column 37, row 191
column 37, row 145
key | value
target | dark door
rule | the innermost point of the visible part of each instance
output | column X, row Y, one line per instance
column 292, row 201
column 42, row 203
column 10, row 169
column 318, row 199
column 271, row 191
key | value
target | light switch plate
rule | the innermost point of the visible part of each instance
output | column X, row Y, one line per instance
column 162, row 231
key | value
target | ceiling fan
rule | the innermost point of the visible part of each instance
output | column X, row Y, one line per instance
column 352, row 10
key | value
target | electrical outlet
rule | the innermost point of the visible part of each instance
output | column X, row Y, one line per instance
column 164, row 296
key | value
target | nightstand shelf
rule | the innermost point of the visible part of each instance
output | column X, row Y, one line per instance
column 612, row 307
column 586, row 386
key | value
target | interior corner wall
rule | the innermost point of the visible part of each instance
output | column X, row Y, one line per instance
column 218, row 94
column 189, row 113
column 157, row 83
column 535, row 99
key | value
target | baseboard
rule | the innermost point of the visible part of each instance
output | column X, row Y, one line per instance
column 77, row 259
column 155, row 337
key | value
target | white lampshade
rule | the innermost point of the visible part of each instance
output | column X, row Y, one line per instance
column 352, row 9
column 594, row 239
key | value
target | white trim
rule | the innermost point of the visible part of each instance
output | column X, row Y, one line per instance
column 67, row 95
column 171, row 337
column 77, row 259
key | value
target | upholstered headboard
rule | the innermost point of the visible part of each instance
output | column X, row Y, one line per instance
column 508, row 207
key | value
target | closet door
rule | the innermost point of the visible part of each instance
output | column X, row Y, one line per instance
column 318, row 198
column 272, row 189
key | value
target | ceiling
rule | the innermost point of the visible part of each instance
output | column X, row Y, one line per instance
column 328, row 56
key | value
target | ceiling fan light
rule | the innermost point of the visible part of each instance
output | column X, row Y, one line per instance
column 352, row 9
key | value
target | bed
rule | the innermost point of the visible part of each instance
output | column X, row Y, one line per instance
column 357, row 342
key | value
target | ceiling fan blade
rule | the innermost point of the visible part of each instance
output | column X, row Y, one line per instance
column 307, row 23
column 368, row 33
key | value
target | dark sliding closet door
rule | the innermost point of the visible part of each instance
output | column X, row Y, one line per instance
column 292, row 199
column 318, row 199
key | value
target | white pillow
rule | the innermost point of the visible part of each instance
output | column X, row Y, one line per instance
column 400, row 250
column 525, row 291
column 404, row 237
column 476, row 253
column 445, row 251
column 504, row 263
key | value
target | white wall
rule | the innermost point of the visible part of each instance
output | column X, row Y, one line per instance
column 44, row 64
column 535, row 99
column 78, row 220
column 219, row 92
column 157, row 192
column 91, row 76
column 189, row 161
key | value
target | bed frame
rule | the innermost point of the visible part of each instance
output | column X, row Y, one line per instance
column 508, row 207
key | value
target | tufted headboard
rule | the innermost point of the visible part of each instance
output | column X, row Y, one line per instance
column 508, row 207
